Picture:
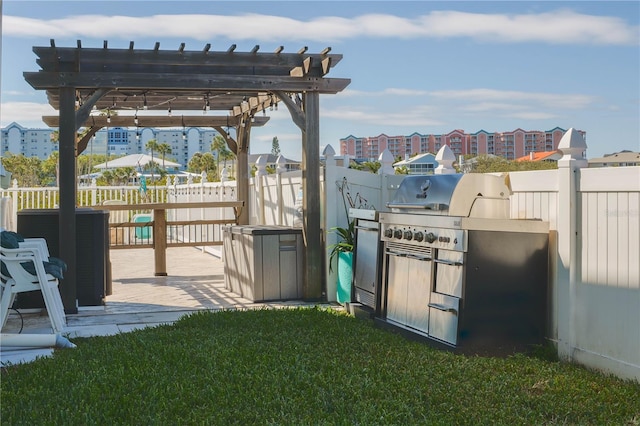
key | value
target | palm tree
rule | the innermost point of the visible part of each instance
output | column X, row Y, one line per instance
column 152, row 145
column 163, row 149
column 226, row 154
column 218, row 145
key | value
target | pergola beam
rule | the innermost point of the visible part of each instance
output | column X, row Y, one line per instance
column 179, row 82
column 146, row 57
column 158, row 121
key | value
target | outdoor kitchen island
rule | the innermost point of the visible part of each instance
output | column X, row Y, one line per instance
column 457, row 272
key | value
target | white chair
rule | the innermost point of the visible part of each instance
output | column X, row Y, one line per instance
column 35, row 251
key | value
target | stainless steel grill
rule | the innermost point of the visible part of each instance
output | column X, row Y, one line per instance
column 457, row 271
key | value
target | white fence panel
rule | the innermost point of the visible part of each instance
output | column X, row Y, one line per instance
column 604, row 306
column 280, row 194
column 608, row 291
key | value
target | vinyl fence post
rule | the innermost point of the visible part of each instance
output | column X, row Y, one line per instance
column 573, row 147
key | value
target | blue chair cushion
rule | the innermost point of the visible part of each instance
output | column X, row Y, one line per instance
column 12, row 240
column 49, row 268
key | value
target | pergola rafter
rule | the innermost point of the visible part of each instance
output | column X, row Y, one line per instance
column 79, row 80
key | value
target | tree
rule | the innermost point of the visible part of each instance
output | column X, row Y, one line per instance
column 152, row 145
column 275, row 146
column 50, row 168
column 163, row 149
column 226, row 154
column 372, row 166
column 219, row 146
column 202, row 163
column 26, row 170
column 488, row 164
column 115, row 177
column 85, row 162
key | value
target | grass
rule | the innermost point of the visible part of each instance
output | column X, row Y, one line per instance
column 303, row 367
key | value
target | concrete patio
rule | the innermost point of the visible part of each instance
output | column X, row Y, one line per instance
column 139, row 299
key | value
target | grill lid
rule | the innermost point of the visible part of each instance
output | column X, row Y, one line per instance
column 430, row 192
column 466, row 195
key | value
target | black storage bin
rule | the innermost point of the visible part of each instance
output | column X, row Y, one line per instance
column 93, row 266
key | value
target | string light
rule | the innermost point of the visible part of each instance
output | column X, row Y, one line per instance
column 135, row 117
column 169, row 110
column 108, row 116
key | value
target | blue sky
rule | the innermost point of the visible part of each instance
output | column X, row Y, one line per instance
column 417, row 66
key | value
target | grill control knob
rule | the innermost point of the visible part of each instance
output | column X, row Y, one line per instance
column 418, row 236
column 388, row 232
column 408, row 235
column 430, row 237
column 397, row 234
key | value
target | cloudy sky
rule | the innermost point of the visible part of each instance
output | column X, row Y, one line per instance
column 418, row 66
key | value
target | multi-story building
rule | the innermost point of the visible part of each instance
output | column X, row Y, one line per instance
column 29, row 142
column 114, row 141
column 511, row 144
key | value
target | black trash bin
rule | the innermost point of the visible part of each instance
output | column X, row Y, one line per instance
column 93, row 275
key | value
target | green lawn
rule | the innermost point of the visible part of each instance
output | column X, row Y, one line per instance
column 303, row 367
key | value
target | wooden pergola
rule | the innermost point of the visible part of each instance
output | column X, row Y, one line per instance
column 79, row 80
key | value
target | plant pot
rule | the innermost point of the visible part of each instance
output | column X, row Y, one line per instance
column 345, row 276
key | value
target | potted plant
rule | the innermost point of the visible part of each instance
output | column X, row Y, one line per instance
column 343, row 251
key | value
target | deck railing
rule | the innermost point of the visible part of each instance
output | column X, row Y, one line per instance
column 156, row 230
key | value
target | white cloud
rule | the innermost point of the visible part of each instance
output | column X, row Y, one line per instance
column 27, row 114
column 550, row 100
column 533, row 115
column 386, row 92
column 416, row 116
column 556, row 27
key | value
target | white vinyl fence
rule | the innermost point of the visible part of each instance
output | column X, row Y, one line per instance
column 594, row 218
column 595, row 260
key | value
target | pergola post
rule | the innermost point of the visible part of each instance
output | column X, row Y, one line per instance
column 312, row 227
column 242, row 157
column 68, row 186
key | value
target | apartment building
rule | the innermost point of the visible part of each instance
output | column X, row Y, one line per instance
column 115, row 141
column 510, row 144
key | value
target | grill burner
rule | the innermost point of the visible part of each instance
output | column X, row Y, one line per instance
column 456, row 270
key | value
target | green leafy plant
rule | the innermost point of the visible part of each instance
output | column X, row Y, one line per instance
column 346, row 242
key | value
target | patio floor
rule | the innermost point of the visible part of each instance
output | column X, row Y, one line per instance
column 139, row 299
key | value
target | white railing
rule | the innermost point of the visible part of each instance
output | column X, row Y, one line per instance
column 87, row 196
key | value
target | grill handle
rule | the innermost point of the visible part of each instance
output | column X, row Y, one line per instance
column 366, row 228
column 447, row 262
column 418, row 257
column 443, row 308
column 407, row 255
column 396, row 253
column 431, row 206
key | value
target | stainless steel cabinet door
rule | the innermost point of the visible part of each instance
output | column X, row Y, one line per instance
column 397, row 282
column 419, row 293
